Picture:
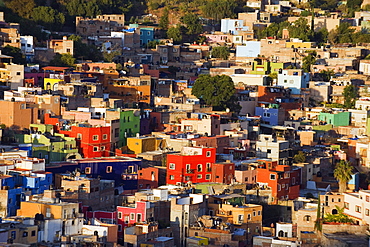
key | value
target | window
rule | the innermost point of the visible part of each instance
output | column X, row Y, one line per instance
column 138, row 217
column 105, row 137
column 268, row 151
column 109, row 169
column 240, row 218
column 25, row 234
column 187, row 168
column 18, row 73
column 272, row 176
column 132, row 216
column 208, row 176
column 279, row 187
column 187, row 178
column 307, row 218
column 259, row 213
column 266, row 114
column 254, row 213
column 172, row 177
column 208, row 165
column 88, row 170
column 199, row 167
column 346, row 205
column 33, row 233
column 95, row 137
column 367, row 212
column 208, row 154
column 96, row 149
column 172, row 166
column 367, row 198
column 120, row 228
column 358, row 209
column 199, row 176
column 102, row 148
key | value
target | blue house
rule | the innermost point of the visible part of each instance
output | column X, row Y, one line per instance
column 15, row 186
column 124, row 171
column 146, row 35
column 270, row 113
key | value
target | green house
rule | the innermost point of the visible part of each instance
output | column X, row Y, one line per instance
column 336, row 119
column 129, row 125
column 45, row 145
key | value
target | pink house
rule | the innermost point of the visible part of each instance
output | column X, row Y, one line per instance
column 135, row 213
column 103, row 216
column 216, row 38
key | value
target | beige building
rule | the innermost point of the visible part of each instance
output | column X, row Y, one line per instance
column 102, row 25
column 357, row 206
column 62, row 46
column 270, row 148
column 17, row 114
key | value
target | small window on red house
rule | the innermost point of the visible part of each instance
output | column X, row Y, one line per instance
column 95, row 137
column 208, row 154
column 105, row 137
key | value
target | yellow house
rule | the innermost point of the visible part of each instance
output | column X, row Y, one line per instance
column 52, row 208
column 142, row 144
column 299, row 44
column 51, row 83
column 197, row 241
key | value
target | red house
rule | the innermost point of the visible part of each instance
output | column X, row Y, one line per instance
column 148, row 178
column 197, row 165
column 283, row 180
column 128, row 216
column 93, row 141
column 223, row 172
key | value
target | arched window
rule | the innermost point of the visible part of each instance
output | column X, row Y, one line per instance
column 281, row 233
column 307, row 218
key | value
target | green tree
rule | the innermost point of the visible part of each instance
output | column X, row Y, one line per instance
column 300, row 157
column 309, row 60
column 340, row 217
column 23, row 8
column 321, row 36
column 217, row 91
column 326, row 75
column 222, row 52
column 16, row 53
column 48, row 17
column 174, row 33
column 350, row 94
column 343, row 173
column 219, row 9
column 319, row 220
column 300, row 29
column 192, row 24
column 63, row 60
column 84, row 51
column 163, row 21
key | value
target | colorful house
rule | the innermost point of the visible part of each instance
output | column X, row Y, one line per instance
column 283, row 180
column 52, row 148
column 129, row 125
column 124, row 171
column 335, row 118
column 92, row 141
column 197, row 165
